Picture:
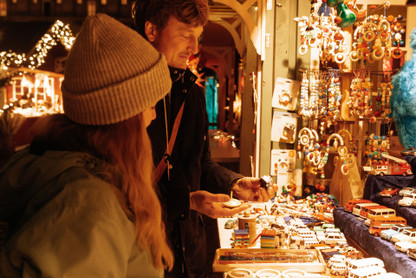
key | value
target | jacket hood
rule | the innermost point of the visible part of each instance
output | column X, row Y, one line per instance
column 36, row 178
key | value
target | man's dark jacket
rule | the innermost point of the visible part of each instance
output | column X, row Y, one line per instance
column 192, row 170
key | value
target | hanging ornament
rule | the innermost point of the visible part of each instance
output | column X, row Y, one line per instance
column 348, row 17
column 359, row 13
column 324, row 10
column 304, row 96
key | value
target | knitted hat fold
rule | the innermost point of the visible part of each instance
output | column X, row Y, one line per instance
column 112, row 73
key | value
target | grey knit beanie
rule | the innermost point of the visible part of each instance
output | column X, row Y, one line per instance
column 111, row 73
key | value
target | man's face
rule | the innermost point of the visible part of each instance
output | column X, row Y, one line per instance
column 177, row 41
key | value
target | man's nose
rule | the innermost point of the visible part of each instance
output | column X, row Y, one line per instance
column 193, row 45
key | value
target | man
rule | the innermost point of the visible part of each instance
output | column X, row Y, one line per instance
column 191, row 181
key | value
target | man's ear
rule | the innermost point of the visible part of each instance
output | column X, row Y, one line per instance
column 150, row 30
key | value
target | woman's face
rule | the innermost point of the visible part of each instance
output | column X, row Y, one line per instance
column 149, row 115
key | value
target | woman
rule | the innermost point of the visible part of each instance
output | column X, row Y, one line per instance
column 79, row 201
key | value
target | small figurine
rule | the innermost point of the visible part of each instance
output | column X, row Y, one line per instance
column 266, row 181
column 389, row 192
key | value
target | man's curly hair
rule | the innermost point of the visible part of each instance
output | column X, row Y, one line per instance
column 191, row 12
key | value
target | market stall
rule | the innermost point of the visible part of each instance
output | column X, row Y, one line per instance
column 322, row 125
column 331, row 133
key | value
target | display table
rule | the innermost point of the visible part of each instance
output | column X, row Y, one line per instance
column 282, row 259
column 375, row 184
column 355, row 228
column 394, row 260
column 409, row 213
column 225, row 235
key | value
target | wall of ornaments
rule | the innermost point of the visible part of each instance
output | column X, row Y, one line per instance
column 345, row 122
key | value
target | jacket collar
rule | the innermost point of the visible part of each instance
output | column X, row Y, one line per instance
column 182, row 76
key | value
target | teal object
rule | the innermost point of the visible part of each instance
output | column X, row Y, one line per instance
column 403, row 99
column 211, row 94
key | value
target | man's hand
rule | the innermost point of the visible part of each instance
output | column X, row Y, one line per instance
column 249, row 189
column 212, row 204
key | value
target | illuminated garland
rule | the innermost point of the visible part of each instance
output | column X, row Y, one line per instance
column 58, row 32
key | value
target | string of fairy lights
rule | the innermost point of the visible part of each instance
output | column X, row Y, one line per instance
column 59, row 32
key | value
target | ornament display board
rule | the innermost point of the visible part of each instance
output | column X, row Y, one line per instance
column 344, row 96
